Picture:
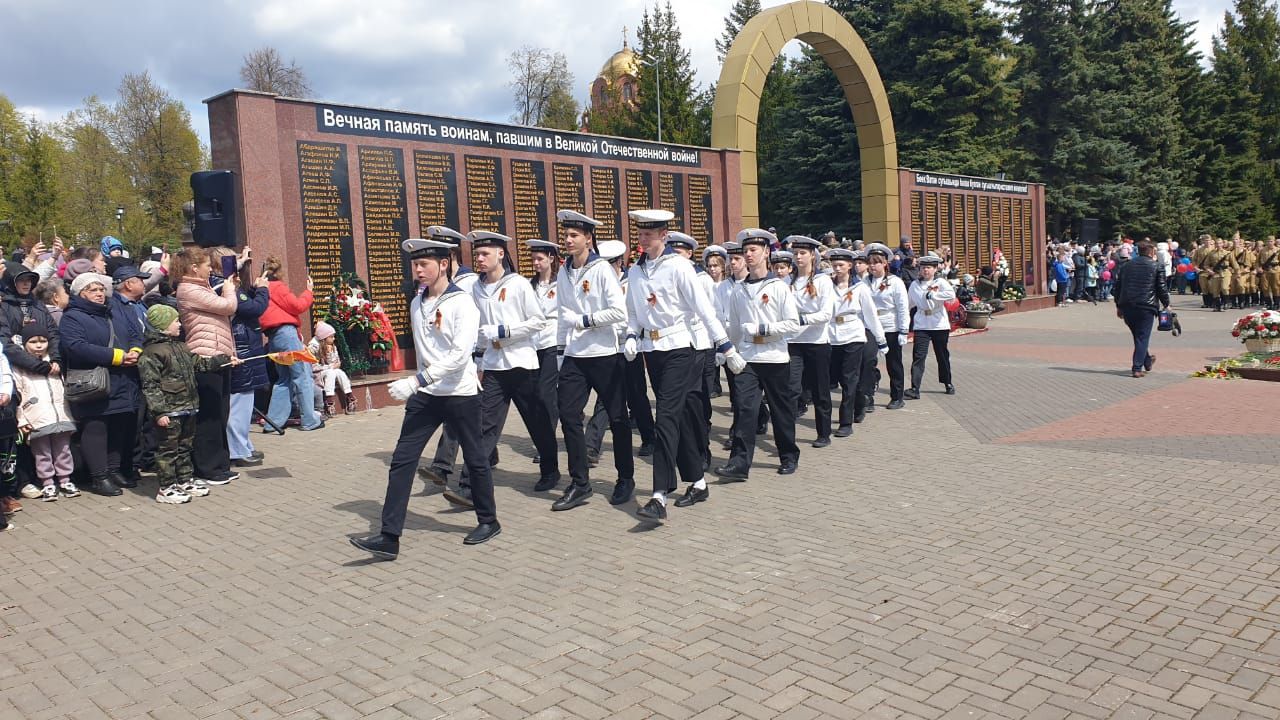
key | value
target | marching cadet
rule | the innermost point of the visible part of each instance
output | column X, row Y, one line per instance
column 545, row 257
column 890, row 297
column 929, row 294
column 1197, row 259
column 444, row 390
column 762, row 315
column 704, row 354
column 1242, row 285
column 809, row 348
column 591, row 303
column 1269, row 264
column 857, row 339
column 510, row 318
column 662, row 294
column 715, row 264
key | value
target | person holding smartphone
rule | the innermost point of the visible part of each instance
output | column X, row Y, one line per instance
column 280, row 322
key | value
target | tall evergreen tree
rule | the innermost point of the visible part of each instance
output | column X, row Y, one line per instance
column 12, row 140
column 659, row 38
column 1254, row 32
column 35, row 186
column 741, row 12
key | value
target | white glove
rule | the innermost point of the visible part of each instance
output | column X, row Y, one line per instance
column 881, row 351
column 629, row 349
column 735, row 362
column 489, row 333
column 902, row 339
column 750, row 329
column 719, row 359
column 403, row 389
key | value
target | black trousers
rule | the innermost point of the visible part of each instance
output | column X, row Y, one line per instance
column 422, row 415
column 893, row 362
column 548, row 381
column 447, row 448
column 680, row 437
column 775, row 381
column 855, row 370
column 920, row 352
column 209, row 453
column 578, row 377
column 811, row 376
column 709, row 382
column 638, row 409
column 106, row 443
column 498, row 391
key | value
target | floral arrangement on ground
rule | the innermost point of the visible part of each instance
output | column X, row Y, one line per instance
column 1262, row 325
column 977, row 306
column 363, row 342
column 1013, row 292
column 1225, row 369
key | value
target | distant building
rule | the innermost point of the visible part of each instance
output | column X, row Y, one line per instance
column 617, row 81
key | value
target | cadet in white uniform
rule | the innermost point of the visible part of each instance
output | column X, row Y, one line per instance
column 929, row 295
column 762, row 315
column 890, row 297
column 445, row 390
column 546, row 262
column 704, row 353
column 591, row 304
column 810, row 348
column 510, row 318
column 856, row 339
column 662, row 294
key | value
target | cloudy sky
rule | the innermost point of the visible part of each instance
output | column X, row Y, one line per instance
column 433, row 56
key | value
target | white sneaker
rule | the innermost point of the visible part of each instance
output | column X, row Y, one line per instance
column 172, row 495
column 49, row 493
column 31, row 492
column 191, row 488
column 68, row 489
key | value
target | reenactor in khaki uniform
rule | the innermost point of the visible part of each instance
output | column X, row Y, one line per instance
column 1269, row 264
column 1205, row 244
column 1220, row 265
column 1242, row 279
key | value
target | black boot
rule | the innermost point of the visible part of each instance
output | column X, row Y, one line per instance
column 102, row 485
column 379, row 545
column 124, row 481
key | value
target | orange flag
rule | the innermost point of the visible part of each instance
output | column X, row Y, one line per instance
column 289, row 357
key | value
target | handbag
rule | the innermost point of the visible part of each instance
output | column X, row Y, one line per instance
column 92, row 384
column 1168, row 322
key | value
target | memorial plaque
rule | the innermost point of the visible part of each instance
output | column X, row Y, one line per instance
column 700, row 209
column 605, row 205
column 386, row 225
column 529, row 197
column 436, row 180
column 568, row 187
column 484, row 195
column 639, row 197
column 671, row 197
column 326, row 212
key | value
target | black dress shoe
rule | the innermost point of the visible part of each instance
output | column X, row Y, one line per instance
column 951, row 389
column 731, row 474
column 844, row 430
column 622, row 492
column 653, row 511
column 871, row 403
column 537, row 458
column 895, row 405
column 787, row 468
column 693, row 496
column 103, row 486
column 246, row 462
column 383, row 547
column 726, row 445
column 460, row 497
column 821, row 442
column 436, row 475
column 646, row 449
column 859, row 417
column 124, row 481
column 911, row 394
column 573, row 497
column 547, row 483
column 483, row 533
column 762, row 429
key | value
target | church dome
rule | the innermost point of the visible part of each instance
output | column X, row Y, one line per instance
column 623, row 62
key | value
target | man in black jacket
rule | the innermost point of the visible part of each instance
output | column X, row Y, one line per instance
column 1140, row 293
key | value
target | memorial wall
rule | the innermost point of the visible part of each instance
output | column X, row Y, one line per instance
column 333, row 188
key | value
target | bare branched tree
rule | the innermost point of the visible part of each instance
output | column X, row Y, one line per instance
column 538, row 75
column 265, row 70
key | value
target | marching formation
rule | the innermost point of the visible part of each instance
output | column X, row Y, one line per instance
column 789, row 326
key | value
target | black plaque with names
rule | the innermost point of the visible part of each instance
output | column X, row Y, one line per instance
column 569, row 191
column 386, row 225
column 436, row 180
column 700, row 225
column 529, row 198
column 639, row 197
column 484, row 194
column 605, row 203
column 326, row 211
column 671, row 197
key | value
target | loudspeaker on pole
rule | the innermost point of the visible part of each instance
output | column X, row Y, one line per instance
column 214, row 192
column 1089, row 231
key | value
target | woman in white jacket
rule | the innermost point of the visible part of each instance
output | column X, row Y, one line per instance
column 857, row 340
column 929, row 295
column 890, row 298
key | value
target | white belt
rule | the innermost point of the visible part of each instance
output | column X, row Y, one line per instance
column 655, row 334
column 840, row 319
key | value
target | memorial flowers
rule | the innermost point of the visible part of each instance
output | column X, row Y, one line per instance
column 1263, row 325
column 366, row 339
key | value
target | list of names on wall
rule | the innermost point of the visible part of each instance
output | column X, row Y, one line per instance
column 567, row 183
column 437, row 184
column 639, row 197
column 386, row 225
column 700, row 208
column 605, row 205
column 671, row 197
column 326, row 211
column 529, row 198
column 484, row 194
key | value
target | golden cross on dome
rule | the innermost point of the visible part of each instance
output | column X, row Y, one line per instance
column 624, row 36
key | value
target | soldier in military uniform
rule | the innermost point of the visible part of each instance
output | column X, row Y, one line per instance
column 1269, row 265
column 1220, row 262
column 1242, row 278
column 1204, row 245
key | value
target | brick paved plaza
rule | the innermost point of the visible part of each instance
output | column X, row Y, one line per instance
column 1058, row 540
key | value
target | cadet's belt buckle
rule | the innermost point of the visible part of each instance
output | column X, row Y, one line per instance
column 654, row 335
column 928, row 312
column 497, row 345
column 758, row 339
column 839, row 319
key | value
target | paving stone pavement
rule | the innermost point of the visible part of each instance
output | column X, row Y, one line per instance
column 1038, row 546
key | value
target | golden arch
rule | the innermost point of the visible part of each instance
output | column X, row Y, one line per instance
column 742, row 81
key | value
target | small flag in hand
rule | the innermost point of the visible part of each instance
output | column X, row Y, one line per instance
column 289, row 357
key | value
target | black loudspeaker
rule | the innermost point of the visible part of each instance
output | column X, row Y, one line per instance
column 1089, row 231
column 215, row 212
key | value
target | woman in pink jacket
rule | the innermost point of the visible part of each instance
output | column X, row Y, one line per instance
column 206, row 319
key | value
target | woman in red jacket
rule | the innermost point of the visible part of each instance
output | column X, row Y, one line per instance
column 280, row 323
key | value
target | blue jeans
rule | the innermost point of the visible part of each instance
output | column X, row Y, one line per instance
column 238, row 424
column 293, row 384
column 1140, row 322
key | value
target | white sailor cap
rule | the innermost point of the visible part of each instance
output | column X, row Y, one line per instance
column 732, row 247
column 860, row 255
column 840, row 254
column 929, row 259
column 756, row 236
column 484, row 238
column 785, row 256
column 679, row 239
column 449, row 235
column 536, row 245
column 714, row 250
column 611, row 249
column 419, row 248
column 651, row 219
column 804, row 241
column 571, row 219
column 879, row 249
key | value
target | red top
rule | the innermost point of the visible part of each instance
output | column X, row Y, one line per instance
column 284, row 307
